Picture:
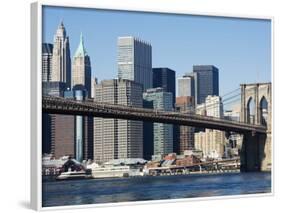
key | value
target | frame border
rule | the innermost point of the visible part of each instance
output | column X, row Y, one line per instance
column 36, row 99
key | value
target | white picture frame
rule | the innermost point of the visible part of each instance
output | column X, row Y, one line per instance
column 36, row 99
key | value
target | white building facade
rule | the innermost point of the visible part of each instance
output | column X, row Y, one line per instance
column 212, row 107
column 186, row 85
column 61, row 61
column 81, row 68
column 118, row 138
column 211, row 142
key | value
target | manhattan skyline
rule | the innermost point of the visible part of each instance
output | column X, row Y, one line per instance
column 240, row 48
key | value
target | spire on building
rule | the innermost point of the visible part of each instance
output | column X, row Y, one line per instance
column 81, row 51
column 61, row 62
column 61, row 32
column 61, row 24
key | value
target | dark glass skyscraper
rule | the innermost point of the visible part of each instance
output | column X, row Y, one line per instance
column 148, row 146
column 165, row 78
column 206, row 82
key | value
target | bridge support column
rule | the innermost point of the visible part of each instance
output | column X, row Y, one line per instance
column 255, row 153
column 266, row 158
column 256, row 149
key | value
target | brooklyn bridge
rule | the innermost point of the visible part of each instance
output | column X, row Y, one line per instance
column 256, row 151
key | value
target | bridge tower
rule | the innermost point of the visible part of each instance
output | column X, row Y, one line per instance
column 256, row 108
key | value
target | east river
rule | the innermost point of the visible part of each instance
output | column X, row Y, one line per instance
column 93, row 191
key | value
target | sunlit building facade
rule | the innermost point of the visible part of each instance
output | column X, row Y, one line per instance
column 135, row 61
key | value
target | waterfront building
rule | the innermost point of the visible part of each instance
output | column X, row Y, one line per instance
column 185, row 104
column 194, row 152
column 81, row 68
column 47, row 54
column 206, row 78
column 51, row 165
column 162, row 133
column 188, row 160
column 116, row 138
column 186, row 86
column 135, row 61
column 61, row 62
column 211, row 143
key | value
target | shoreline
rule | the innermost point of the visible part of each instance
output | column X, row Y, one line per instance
column 202, row 173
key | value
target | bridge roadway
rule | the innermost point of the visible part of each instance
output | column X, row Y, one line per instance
column 58, row 105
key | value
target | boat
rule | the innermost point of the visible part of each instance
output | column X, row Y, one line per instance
column 110, row 172
column 115, row 171
column 73, row 175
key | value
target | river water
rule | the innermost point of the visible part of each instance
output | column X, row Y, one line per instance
column 93, row 191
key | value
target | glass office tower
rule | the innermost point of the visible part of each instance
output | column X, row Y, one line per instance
column 206, row 82
column 162, row 133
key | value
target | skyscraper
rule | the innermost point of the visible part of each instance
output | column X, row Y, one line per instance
column 82, row 129
column 57, row 134
column 211, row 107
column 148, row 134
column 81, row 68
column 206, row 82
column 162, row 133
column 93, row 87
column 62, row 135
column 165, row 78
column 47, row 54
column 117, row 138
column 61, row 66
column 81, row 84
column 211, row 142
column 135, row 61
column 185, row 104
column 186, row 86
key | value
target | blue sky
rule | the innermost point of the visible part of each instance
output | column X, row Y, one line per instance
column 240, row 48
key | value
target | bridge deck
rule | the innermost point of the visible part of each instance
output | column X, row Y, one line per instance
column 57, row 105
